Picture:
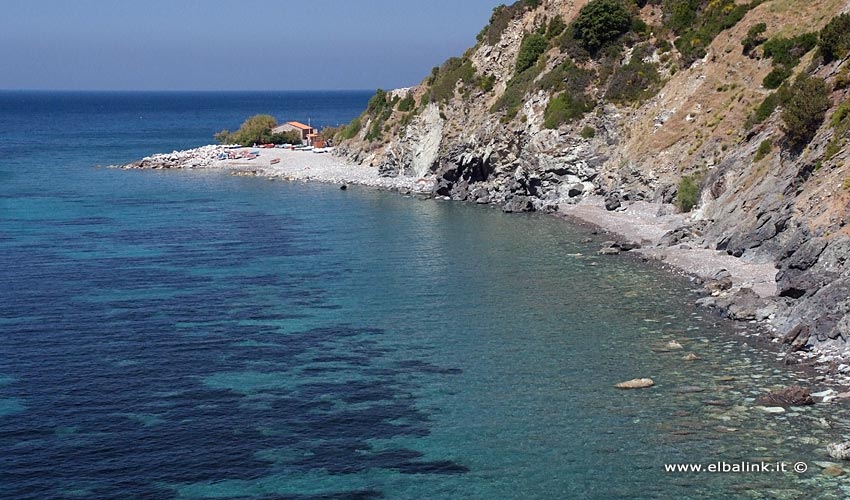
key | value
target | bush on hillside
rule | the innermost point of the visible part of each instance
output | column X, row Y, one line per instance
column 786, row 54
column 351, row 129
column 698, row 22
column 407, row 103
column 763, row 150
column 601, row 22
column 566, row 76
column 377, row 102
column 532, row 47
column 805, row 109
column 754, row 38
column 687, row 193
column 501, row 18
column 565, row 108
column 556, row 27
column 511, row 100
column 835, row 38
column 776, row 76
column 634, row 81
column 454, row 70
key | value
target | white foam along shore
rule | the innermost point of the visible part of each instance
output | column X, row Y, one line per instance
column 282, row 163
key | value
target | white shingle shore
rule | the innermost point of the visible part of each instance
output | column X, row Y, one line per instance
column 294, row 165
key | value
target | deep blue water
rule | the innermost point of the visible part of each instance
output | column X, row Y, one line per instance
column 197, row 335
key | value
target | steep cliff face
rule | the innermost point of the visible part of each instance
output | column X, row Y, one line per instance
column 561, row 99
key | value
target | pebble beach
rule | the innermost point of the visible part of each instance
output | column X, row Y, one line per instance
column 293, row 165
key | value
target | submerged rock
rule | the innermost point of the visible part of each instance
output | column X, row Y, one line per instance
column 839, row 451
column 794, row 395
column 637, row 383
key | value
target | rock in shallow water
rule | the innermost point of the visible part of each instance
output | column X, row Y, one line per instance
column 637, row 383
column 839, row 451
column 790, row 396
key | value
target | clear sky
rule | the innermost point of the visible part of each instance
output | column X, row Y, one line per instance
column 232, row 44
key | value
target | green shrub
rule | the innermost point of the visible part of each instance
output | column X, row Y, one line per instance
column 842, row 80
column 834, row 146
column 634, row 81
column 433, row 76
column 588, row 132
column 568, row 44
column 840, row 122
column 835, row 38
column 407, row 103
column 377, row 102
column 566, row 76
column 697, row 22
column 556, row 27
column 351, row 129
column 788, row 51
column 754, row 37
column 565, row 108
column 601, row 22
column 840, row 119
column 222, row 137
column 450, row 73
column 487, row 83
column 499, row 21
column 687, row 193
column 776, row 76
column 786, row 54
column 765, row 109
column 517, row 87
column 681, row 14
column 255, row 130
column 532, row 47
column 763, row 150
column 805, row 109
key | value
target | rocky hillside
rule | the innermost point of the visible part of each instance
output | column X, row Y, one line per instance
column 735, row 111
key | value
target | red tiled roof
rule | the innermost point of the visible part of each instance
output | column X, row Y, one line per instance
column 300, row 125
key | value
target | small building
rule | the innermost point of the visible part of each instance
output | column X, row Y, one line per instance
column 315, row 140
column 307, row 132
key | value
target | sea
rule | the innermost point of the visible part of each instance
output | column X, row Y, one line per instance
column 195, row 335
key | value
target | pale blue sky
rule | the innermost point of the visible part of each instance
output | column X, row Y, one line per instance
column 231, row 45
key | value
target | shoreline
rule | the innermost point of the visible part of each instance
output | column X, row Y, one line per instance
column 742, row 291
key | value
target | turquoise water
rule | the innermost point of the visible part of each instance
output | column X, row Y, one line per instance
column 197, row 335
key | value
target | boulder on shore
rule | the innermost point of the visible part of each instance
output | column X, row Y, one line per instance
column 637, row 383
